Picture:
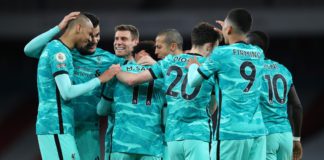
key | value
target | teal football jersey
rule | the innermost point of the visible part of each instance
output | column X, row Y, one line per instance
column 188, row 115
column 137, row 112
column 55, row 116
column 238, row 70
column 87, row 67
column 277, row 81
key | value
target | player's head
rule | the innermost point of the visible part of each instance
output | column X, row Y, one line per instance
column 204, row 37
column 168, row 41
column 81, row 29
column 92, row 45
column 144, row 48
column 126, row 37
column 260, row 39
column 237, row 22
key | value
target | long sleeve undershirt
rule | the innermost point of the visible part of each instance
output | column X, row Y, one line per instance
column 69, row 91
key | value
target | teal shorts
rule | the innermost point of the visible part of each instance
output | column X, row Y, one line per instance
column 58, row 147
column 88, row 143
column 279, row 146
column 165, row 152
column 127, row 156
column 247, row 149
column 189, row 150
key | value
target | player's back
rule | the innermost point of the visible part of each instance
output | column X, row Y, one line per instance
column 87, row 67
column 54, row 114
column 138, row 120
column 239, row 71
column 276, row 83
column 188, row 107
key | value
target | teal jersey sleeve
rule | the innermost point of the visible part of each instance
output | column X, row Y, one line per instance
column 156, row 69
column 36, row 45
column 58, row 61
column 276, row 84
column 213, row 63
column 137, row 110
column 55, row 115
column 238, row 70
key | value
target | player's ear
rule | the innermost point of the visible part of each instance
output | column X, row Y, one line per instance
column 173, row 47
column 78, row 28
column 229, row 30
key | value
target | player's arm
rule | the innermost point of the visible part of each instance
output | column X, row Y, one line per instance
column 194, row 78
column 197, row 73
column 133, row 79
column 69, row 91
column 296, row 119
column 35, row 46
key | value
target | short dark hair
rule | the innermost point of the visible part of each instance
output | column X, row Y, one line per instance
column 172, row 36
column 204, row 33
column 241, row 18
column 126, row 27
column 80, row 19
column 93, row 18
column 260, row 39
column 148, row 46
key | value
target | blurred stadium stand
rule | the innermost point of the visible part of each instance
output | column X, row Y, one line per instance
column 296, row 28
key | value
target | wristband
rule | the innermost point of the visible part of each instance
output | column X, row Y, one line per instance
column 296, row 138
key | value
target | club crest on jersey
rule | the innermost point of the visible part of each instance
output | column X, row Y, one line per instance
column 60, row 57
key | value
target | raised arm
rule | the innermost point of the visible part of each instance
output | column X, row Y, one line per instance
column 133, row 79
column 296, row 120
column 35, row 46
column 69, row 91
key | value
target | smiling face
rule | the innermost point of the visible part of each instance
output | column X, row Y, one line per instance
column 124, row 43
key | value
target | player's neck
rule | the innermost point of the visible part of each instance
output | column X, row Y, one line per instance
column 197, row 49
column 67, row 40
column 129, row 57
column 236, row 38
column 176, row 52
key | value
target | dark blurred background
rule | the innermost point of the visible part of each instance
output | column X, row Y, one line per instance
column 296, row 28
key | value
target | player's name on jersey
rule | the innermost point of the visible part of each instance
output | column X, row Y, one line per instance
column 135, row 68
column 246, row 53
column 180, row 59
column 271, row 66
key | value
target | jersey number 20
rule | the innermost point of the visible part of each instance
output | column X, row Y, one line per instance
column 183, row 85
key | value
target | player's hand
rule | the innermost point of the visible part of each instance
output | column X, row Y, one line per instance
column 109, row 73
column 192, row 61
column 146, row 61
column 221, row 23
column 297, row 151
column 63, row 24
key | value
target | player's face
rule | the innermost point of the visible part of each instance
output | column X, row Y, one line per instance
column 161, row 48
column 85, row 35
column 124, row 43
column 92, row 45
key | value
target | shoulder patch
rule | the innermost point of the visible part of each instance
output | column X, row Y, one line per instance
column 60, row 57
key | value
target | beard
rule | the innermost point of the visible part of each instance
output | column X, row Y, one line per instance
column 86, row 50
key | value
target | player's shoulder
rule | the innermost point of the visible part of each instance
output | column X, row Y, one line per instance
column 56, row 46
column 101, row 51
